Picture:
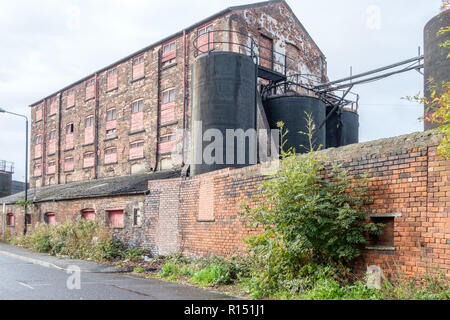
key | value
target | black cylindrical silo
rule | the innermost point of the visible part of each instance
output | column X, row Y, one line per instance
column 437, row 65
column 293, row 110
column 223, row 98
column 342, row 128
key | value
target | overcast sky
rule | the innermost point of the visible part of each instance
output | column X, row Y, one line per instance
column 46, row 45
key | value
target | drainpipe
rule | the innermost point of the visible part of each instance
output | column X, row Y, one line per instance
column 184, row 94
column 43, row 143
column 59, row 138
column 95, row 126
column 3, row 222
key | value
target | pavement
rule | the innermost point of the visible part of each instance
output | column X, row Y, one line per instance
column 26, row 275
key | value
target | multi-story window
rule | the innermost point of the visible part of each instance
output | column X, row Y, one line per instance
column 68, row 164
column 69, row 136
column 52, row 142
column 137, row 150
column 111, row 123
column 89, row 130
column 111, row 155
column 168, row 107
column 38, row 146
column 137, row 116
column 112, row 75
column 166, row 144
column 88, row 160
column 90, row 89
column 39, row 112
column 53, row 106
column 37, row 170
column 138, row 67
column 51, row 167
column 169, row 54
column 70, row 98
column 205, row 38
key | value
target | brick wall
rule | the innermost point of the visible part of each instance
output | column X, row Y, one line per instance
column 408, row 182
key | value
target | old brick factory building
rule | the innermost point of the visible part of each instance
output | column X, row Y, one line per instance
column 106, row 147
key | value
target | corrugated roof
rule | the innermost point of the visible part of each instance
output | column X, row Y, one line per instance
column 122, row 185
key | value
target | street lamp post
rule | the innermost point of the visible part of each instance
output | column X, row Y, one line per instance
column 26, row 167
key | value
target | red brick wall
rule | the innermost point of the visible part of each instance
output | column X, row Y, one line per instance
column 406, row 177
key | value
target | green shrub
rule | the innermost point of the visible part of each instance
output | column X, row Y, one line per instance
column 139, row 270
column 214, row 274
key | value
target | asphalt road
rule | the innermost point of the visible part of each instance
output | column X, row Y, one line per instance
column 20, row 280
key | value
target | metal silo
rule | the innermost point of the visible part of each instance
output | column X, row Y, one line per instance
column 291, row 110
column 342, row 128
column 223, row 97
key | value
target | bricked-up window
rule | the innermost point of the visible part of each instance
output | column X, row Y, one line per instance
column 88, row 215
column 266, row 52
column 51, row 167
column 205, row 38
column 37, row 170
column 116, row 218
column 111, row 122
column 90, row 89
column 70, row 98
column 53, row 106
column 292, row 59
column 169, row 54
column 111, row 155
column 137, row 150
column 166, row 144
column 137, row 116
column 137, row 219
column 88, row 160
column 138, row 67
column 38, row 146
column 52, row 142
column 69, row 136
column 10, row 221
column 112, row 78
column 89, row 130
column 39, row 112
column 68, row 164
column 50, row 219
column 206, row 200
column 168, row 107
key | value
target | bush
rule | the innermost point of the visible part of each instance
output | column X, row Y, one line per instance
column 214, row 274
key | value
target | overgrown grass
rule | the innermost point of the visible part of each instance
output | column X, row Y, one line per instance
column 76, row 240
column 315, row 283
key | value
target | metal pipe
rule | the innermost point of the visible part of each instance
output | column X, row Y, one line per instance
column 371, row 72
column 26, row 179
column 184, row 96
column 44, row 122
column 4, row 221
column 96, row 126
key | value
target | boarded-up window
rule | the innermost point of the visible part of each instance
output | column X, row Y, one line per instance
column 89, row 215
column 266, row 52
column 110, row 155
column 168, row 107
column 137, row 116
column 70, row 98
column 38, row 146
column 68, row 164
column 112, row 79
column 89, row 130
column 39, row 112
column 138, row 67
column 292, row 58
column 206, row 200
column 166, row 144
column 169, row 53
column 69, row 136
column 51, row 167
column 50, row 219
column 137, row 150
column 37, row 170
column 52, row 142
column 116, row 218
column 205, row 39
column 10, row 221
column 90, row 89
column 53, row 106
column 88, row 160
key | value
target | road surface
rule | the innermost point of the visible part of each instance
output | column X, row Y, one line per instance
column 21, row 280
